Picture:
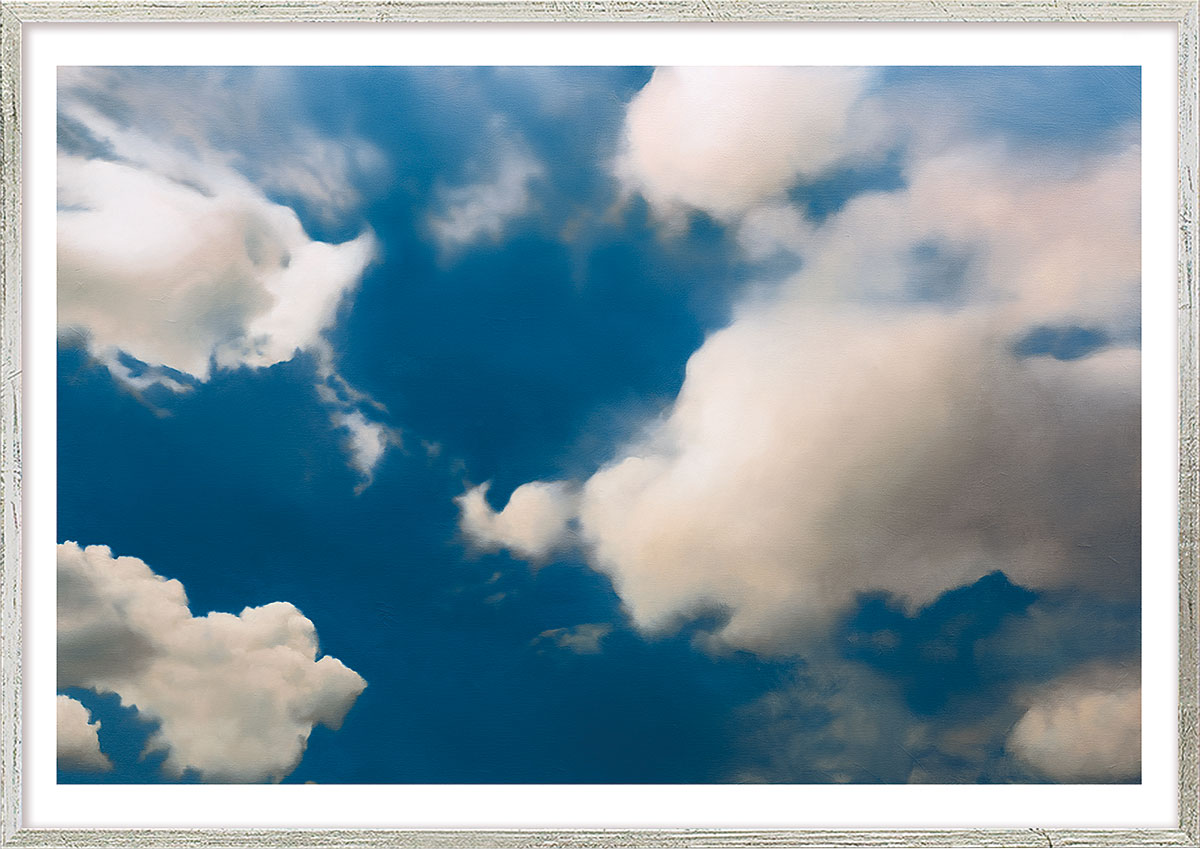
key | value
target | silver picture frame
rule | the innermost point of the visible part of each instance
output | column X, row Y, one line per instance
column 15, row 14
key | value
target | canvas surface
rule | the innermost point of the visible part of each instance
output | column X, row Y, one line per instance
column 599, row 425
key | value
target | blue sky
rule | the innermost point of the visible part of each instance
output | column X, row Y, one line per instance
column 604, row 424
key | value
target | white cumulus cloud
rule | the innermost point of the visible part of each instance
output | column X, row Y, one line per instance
column 179, row 261
column 1084, row 730
column 722, row 140
column 865, row 424
column 236, row 696
column 532, row 524
column 169, row 255
column 809, row 457
column 1033, row 243
column 773, row 228
column 78, row 740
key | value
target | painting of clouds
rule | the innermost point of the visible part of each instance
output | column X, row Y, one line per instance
column 599, row 425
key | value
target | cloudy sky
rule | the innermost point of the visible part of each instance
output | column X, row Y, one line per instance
column 600, row 425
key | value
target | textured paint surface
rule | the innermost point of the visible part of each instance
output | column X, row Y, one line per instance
column 451, row 491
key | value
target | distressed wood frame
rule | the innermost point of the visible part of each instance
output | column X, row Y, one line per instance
column 15, row 13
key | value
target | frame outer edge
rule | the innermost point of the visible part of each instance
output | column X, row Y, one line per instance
column 513, row 11
column 14, row 14
column 1189, row 435
column 587, row 838
column 10, row 424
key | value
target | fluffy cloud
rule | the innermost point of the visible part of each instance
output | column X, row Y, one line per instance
column 722, row 140
column 1028, row 241
column 78, row 740
column 808, row 458
column 870, row 423
column 532, row 524
column 483, row 210
column 179, row 263
column 1084, row 729
column 771, row 228
column 170, row 256
column 235, row 696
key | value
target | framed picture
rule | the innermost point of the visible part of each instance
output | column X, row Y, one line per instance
column 536, row 424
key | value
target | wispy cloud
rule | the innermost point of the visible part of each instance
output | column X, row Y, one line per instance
column 483, row 211
column 580, row 639
column 367, row 443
